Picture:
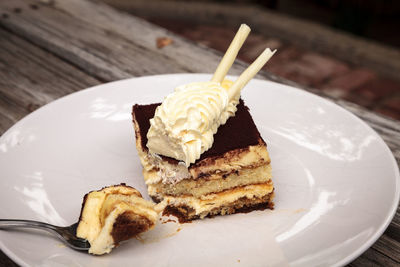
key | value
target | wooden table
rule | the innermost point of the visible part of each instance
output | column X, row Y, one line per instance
column 49, row 49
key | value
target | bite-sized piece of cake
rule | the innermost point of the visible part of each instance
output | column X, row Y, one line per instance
column 234, row 175
column 114, row 214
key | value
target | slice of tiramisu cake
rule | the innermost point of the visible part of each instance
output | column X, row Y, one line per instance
column 114, row 214
column 201, row 152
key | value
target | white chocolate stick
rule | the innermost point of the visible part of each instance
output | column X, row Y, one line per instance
column 250, row 72
column 231, row 54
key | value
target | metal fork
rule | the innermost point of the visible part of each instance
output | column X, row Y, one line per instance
column 66, row 234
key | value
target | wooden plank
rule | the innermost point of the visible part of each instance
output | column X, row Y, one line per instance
column 31, row 77
column 384, row 252
column 373, row 258
column 91, row 38
column 389, row 245
column 195, row 57
column 6, row 261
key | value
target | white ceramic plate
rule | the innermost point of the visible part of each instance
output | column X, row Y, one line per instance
column 337, row 183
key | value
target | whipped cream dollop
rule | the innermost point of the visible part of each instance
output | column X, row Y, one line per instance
column 184, row 125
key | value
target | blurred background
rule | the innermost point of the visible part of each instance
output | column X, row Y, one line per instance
column 348, row 49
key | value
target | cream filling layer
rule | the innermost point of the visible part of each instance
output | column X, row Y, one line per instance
column 209, row 202
column 207, row 185
column 168, row 173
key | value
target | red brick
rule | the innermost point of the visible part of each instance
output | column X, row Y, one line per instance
column 296, row 71
column 359, row 99
column 221, row 32
column 218, row 38
column 251, row 51
column 336, row 93
column 392, row 103
column 378, row 88
column 285, row 55
column 309, row 68
column 253, row 39
column 350, row 80
column 366, row 93
column 288, row 53
column 325, row 66
column 388, row 112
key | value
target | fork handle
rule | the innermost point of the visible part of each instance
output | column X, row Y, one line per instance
column 66, row 234
column 11, row 223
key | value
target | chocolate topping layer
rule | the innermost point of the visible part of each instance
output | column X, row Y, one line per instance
column 239, row 132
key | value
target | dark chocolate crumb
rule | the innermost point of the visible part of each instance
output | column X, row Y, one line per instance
column 17, row 10
column 4, row 15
